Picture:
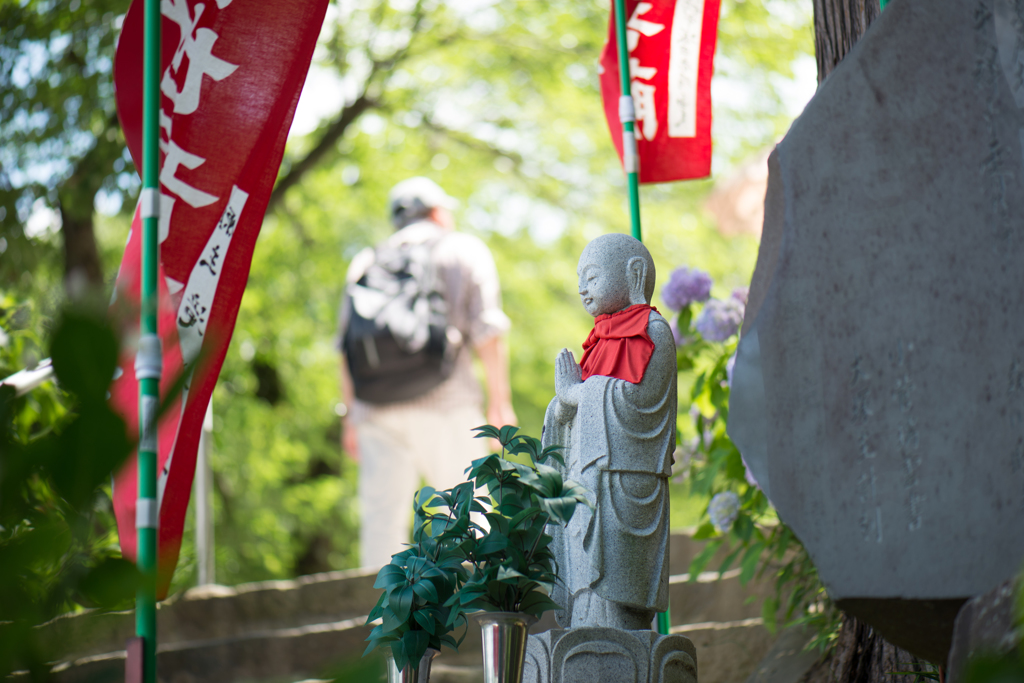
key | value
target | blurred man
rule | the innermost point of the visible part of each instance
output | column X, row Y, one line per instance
column 413, row 424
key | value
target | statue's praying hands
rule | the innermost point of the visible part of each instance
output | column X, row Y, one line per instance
column 568, row 378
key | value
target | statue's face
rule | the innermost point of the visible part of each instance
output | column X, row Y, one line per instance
column 603, row 288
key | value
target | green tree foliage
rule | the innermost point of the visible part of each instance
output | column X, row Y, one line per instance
column 497, row 100
column 62, row 143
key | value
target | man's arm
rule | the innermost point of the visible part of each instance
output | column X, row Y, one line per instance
column 349, row 442
column 494, row 355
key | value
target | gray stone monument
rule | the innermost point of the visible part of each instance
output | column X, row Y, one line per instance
column 615, row 414
column 878, row 392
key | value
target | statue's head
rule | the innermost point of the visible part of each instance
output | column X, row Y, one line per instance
column 615, row 271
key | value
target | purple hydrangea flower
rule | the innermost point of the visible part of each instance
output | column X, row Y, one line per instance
column 723, row 510
column 741, row 294
column 685, row 286
column 720, row 319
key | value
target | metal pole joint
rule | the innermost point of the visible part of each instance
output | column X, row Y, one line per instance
column 149, row 358
column 626, row 111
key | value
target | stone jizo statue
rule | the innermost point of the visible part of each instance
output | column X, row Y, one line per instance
column 615, row 414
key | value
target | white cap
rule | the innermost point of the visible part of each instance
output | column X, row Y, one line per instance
column 412, row 200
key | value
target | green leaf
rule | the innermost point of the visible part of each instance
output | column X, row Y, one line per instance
column 684, row 319
column 401, row 602
column 749, row 562
column 424, row 496
column 734, row 467
column 493, row 543
column 530, row 446
column 729, row 559
column 506, row 434
column 536, row 603
column 373, row 644
column 698, row 386
column 398, row 652
column 377, row 633
column 426, row 620
column 703, row 557
column 743, row 527
column 486, row 431
column 85, row 453
column 415, row 566
column 378, row 610
column 554, row 452
column 509, row 575
column 426, row 591
column 84, row 352
column 111, row 583
column 391, row 622
column 525, row 514
column 388, row 576
column 559, row 509
column 683, row 360
column 415, row 644
column 705, row 531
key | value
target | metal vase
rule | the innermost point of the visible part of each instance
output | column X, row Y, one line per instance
column 503, row 635
column 421, row 674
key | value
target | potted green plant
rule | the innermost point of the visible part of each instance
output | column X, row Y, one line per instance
column 513, row 567
column 417, row 585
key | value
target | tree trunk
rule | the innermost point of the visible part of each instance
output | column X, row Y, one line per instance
column 863, row 656
column 83, row 270
column 838, row 25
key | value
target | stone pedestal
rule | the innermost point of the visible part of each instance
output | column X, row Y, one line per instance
column 607, row 655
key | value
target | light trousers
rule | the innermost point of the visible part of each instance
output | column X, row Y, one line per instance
column 400, row 448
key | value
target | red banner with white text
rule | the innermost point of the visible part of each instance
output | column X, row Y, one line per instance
column 231, row 74
column 671, row 47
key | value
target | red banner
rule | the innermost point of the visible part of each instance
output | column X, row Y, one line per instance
column 230, row 80
column 671, row 59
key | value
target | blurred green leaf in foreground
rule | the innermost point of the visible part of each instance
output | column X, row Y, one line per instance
column 58, row 448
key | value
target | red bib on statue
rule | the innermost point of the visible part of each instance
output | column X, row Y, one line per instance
column 619, row 345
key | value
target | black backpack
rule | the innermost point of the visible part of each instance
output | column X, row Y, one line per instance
column 398, row 343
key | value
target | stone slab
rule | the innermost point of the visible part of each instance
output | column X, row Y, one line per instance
column 210, row 612
column 728, row 652
column 711, row 598
column 265, row 657
column 878, row 394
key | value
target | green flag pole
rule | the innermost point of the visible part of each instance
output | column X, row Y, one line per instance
column 626, row 114
column 148, row 361
column 631, row 162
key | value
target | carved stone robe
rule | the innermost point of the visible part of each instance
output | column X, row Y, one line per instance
column 619, row 445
